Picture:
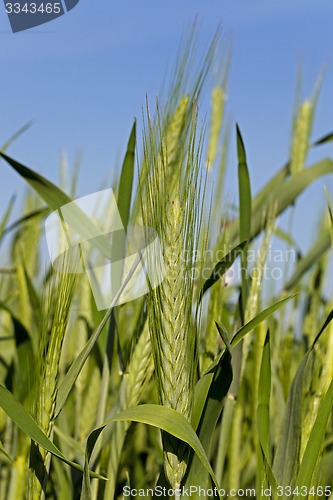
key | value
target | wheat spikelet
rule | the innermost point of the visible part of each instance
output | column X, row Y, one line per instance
column 134, row 381
column 53, row 352
column 47, row 376
column 17, row 488
column 2, row 420
column 74, row 344
column 90, row 402
column 216, row 122
column 321, row 374
column 139, row 371
column 175, row 130
column 300, row 142
column 81, row 334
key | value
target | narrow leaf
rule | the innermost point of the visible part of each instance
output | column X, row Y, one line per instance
column 221, row 268
column 245, row 212
column 287, row 453
column 316, row 251
column 29, row 426
column 15, row 136
column 50, row 193
column 75, row 369
column 126, row 179
column 244, row 191
column 55, row 199
column 6, row 216
column 269, row 473
column 330, row 212
column 251, row 325
column 281, row 194
column 40, row 212
column 2, row 450
column 314, row 444
column 212, row 409
column 264, row 393
column 323, row 140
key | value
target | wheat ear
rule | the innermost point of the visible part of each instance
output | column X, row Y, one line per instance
column 173, row 210
column 47, row 377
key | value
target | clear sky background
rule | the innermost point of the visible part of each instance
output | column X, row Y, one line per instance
column 83, row 78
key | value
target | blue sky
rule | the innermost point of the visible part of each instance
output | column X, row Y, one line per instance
column 83, row 78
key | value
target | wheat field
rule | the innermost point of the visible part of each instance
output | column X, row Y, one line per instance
column 215, row 382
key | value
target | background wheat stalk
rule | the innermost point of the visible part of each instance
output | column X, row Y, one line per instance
column 53, row 328
column 133, row 383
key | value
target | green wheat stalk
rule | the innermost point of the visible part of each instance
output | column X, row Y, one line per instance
column 54, row 325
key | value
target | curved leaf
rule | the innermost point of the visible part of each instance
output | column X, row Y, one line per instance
column 281, row 193
column 251, row 325
column 323, row 140
column 316, row 251
column 29, row 426
column 245, row 199
column 50, row 193
column 245, row 214
column 15, row 136
column 163, row 418
column 126, row 179
column 221, row 268
column 55, row 199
